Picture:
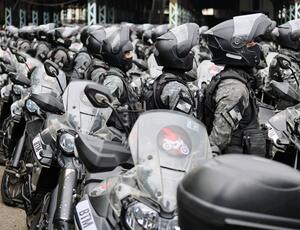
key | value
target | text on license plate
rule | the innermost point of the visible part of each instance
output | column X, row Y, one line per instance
column 85, row 216
column 37, row 146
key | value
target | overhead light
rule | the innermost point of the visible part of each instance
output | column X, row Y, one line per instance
column 207, row 12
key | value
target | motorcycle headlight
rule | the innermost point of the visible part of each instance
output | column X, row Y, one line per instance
column 17, row 89
column 31, row 106
column 67, row 142
column 139, row 217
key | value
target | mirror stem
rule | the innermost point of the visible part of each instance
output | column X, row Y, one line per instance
column 119, row 118
column 27, row 66
column 61, row 88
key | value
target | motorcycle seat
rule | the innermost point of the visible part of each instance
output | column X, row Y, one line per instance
column 100, row 155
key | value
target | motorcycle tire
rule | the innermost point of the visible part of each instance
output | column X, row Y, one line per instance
column 9, row 188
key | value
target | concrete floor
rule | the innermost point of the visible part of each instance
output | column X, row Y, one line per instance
column 11, row 218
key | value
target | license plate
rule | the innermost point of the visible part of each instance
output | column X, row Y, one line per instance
column 85, row 216
column 37, row 146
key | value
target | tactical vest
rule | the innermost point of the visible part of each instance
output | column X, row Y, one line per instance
column 128, row 97
column 152, row 97
column 96, row 63
column 249, row 119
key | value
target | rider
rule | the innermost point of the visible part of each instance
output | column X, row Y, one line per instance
column 83, row 59
column 230, row 111
column 173, row 52
column 117, row 52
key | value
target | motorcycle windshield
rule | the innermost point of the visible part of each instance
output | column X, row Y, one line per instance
column 278, row 121
column 43, row 83
column 165, row 145
column 82, row 115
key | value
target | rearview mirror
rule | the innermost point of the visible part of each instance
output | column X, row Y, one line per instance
column 20, row 58
column 98, row 95
column 19, row 79
column 51, row 68
column 283, row 63
column 6, row 68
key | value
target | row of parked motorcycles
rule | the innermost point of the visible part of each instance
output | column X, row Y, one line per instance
column 68, row 168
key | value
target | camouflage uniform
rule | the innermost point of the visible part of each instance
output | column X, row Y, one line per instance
column 230, row 110
column 229, row 93
column 121, row 87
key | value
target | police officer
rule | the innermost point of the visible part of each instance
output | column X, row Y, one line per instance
column 117, row 52
column 141, row 45
column 230, row 111
column 83, row 59
column 173, row 52
column 98, row 66
column 43, row 45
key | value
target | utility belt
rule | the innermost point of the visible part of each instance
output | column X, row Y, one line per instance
column 254, row 141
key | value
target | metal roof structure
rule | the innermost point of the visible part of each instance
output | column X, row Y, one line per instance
column 24, row 12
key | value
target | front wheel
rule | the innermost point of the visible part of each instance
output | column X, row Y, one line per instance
column 11, row 189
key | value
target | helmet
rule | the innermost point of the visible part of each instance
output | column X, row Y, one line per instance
column 64, row 35
column 27, row 32
column 147, row 37
column 11, row 31
column 159, row 30
column 203, row 29
column 227, row 40
column 42, row 31
column 115, row 46
column 94, row 42
column 61, row 57
column 42, row 51
column 142, row 28
column 85, row 32
column 289, row 35
column 24, row 45
column 173, row 48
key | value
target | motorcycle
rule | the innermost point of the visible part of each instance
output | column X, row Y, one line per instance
column 26, row 119
column 141, row 195
column 54, row 148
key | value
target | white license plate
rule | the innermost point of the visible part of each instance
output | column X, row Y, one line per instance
column 37, row 146
column 85, row 216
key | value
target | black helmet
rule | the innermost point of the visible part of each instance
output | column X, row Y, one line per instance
column 147, row 37
column 289, row 35
column 203, row 29
column 27, row 32
column 227, row 40
column 61, row 57
column 95, row 41
column 23, row 45
column 158, row 31
column 42, row 51
column 12, row 31
column 42, row 31
column 142, row 28
column 85, row 32
column 115, row 46
column 63, row 35
column 173, row 48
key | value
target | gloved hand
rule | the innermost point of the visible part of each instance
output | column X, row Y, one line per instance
column 215, row 150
